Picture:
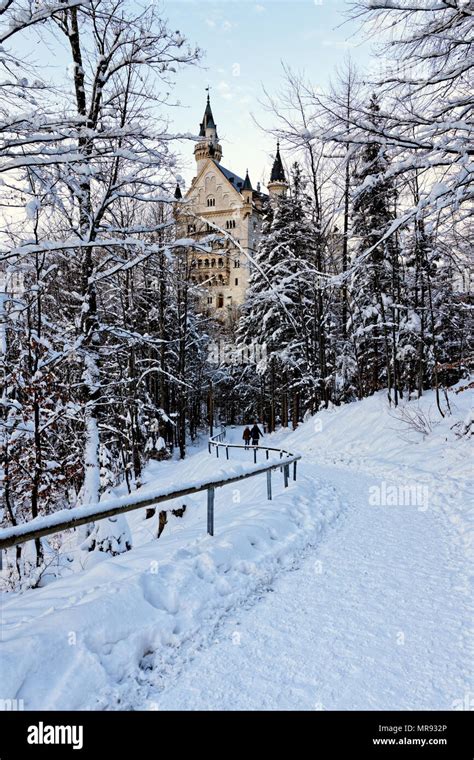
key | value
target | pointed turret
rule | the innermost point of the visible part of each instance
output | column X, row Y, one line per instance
column 278, row 184
column 208, row 121
column 247, row 184
column 247, row 190
column 208, row 145
column 177, row 193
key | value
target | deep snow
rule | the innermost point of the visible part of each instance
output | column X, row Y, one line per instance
column 328, row 597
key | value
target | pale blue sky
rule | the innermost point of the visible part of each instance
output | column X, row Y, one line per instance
column 244, row 44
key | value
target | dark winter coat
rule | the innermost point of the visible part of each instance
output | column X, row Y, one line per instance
column 255, row 433
column 247, row 434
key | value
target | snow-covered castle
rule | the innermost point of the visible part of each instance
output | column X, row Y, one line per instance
column 220, row 199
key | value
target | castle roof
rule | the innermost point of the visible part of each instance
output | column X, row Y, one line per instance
column 207, row 120
column 232, row 177
column 278, row 172
column 247, row 184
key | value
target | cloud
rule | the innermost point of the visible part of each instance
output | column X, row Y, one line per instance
column 259, row 8
column 224, row 25
column 224, row 90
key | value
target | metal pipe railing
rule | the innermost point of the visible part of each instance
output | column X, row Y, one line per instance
column 73, row 518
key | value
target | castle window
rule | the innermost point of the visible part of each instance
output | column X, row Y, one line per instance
column 220, row 301
column 199, row 263
column 221, row 262
column 211, row 201
column 230, row 224
column 213, row 262
column 236, row 263
column 191, row 228
column 206, row 263
column 209, row 299
column 236, row 281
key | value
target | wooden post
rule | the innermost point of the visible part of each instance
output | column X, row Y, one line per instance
column 217, row 451
column 294, row 470
column 286, row 467
column 210, row 510
column 255, row 455
column 269, row 485
column 227, row 452
column 267, row 452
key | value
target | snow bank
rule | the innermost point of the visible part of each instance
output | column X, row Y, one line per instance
column 89, row 641
column 86, row 642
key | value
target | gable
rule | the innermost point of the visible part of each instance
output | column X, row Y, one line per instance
column 212, row 182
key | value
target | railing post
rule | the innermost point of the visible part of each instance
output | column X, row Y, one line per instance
column 294, row 470
column 255, row 455
column 286, row 467
column 269, row 485
column 210, row 510
column 227, row 452
column 209, row 447
column 217, row 450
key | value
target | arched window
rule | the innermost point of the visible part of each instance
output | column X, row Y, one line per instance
column 220, row 301
column 213, row 262
column 206, row 263
column 211, row 201
column 236, row 263
column 199, row 263
column 220, row 263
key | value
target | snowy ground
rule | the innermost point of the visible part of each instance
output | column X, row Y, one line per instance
column 328, row 597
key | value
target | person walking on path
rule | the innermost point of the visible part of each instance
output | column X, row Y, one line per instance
column 256, row 433
column 247, row 436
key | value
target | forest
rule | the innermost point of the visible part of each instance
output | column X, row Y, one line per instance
column 361, row 281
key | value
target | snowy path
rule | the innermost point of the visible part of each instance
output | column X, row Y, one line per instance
column 370, row 619
column 314, row 600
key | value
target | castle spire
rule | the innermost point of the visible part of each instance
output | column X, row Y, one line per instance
column 208, row 122
column 278, row 172
column 278, row 184
column 208, row 145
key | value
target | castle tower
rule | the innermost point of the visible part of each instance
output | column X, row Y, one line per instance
column 278, row 184
column 247, row 190
column 208, row 145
